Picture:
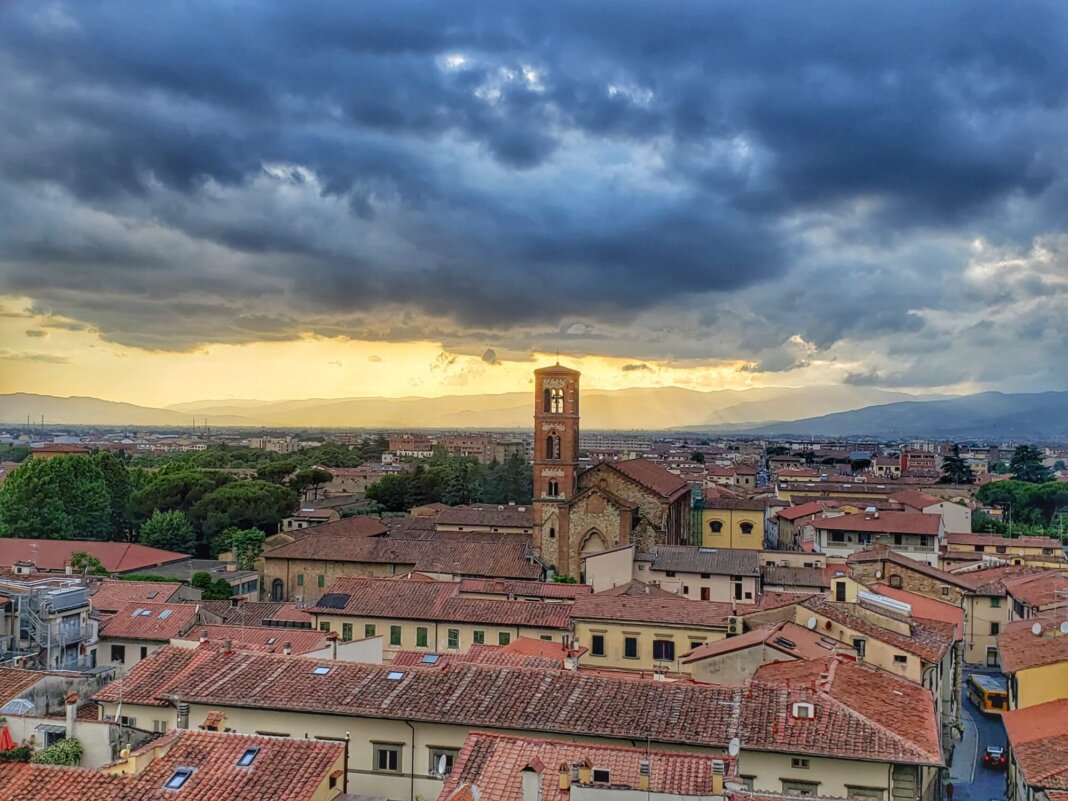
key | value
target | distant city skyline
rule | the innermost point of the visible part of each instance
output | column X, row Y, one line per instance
column 375, row 199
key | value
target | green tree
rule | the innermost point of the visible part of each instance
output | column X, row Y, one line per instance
column 698, row 457
column 1026, row 465
column 276, row 472
column 310, row 480
column 170, row 531
column 218, row 590
column 117, row 479
column 201, row 580
column 64, row 497
column 174, row 490
column 462, row 483
column 391, row 492
column 998, row 468
column 243, row 504
column 246, row 544
column 955, row 470
column 81, row 562
column 65, row 752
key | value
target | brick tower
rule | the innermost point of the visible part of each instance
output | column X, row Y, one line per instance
column 556, row 453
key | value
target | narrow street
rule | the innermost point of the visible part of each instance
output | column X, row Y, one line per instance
column 973, row 782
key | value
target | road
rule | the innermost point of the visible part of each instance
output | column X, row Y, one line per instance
column 971, row 781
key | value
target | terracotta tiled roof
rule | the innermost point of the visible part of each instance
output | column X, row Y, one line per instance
column 638, row 589
column 1020, row 649
column 693, row 559
column 14, row 682
column 507, row 559
column 524, row 589
column 1039, row 590
column 422, row 600
column 356, row 527
column 677, row 611
column 521, row 652
column 504, row 515
column 1039, row 739
column 116, row 557
column 801, row 510
column 914, row 499
column 926, row 608
column 559, row 702
column 269, row 639
column 494, row 764
column 929, row 639
column 742, row 504
column 884, row 523
column 651, row 476
column 156, row 622
column 786, row 637
column 991, row 580
column 1008, row 542
column 861, row 712
column 111, row 595
column 880, row 553
column 282, row 769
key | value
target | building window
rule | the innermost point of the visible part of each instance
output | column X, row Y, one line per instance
column 597, row 645
column 320, row 580
column 800, row 788
column 860, row 646
column 706, row 575
column 479, row 637
column 995, row 603
column 601, row 776
column 895, row 581
column 118, row 653
column 664, row 650
column 442, row 760
column 685, row 589
column 799, row 764
column 838, row 536
column 128, row 721
column 160, row 726
column 387, row 757
column 747, row 528
column 300, row 579
column 556, row 401
column 454, row 639
column 503, row 638
column 840, row 591
column 552, row 446
column 178, row 778
column 394, row 635
column 1000, row 549
column 865, row 792
column 346, row 631
column 324, row 625
column 900, row 659
column 715, row 527
column 995, row 628
column 368, row 630
column 670, row 574
column 552, row 533
column 898, row 539
column 420, row 637
column 945, row 590
column 630, row 647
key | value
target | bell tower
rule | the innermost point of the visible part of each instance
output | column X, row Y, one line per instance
column 556, row 453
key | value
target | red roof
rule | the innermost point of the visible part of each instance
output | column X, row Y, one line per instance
column 801, row 510
column 111, row 595
column 786, row 637
column 116, row 557
column 355, row 526
column 14, row 682
column 926, row 608
column 283, row 769
column 1006, row 542
column 914, row 499
column 1020, row 649
column 860, row 712
column 651, row 476
column 883, row 523
column 1039, row 590
column 928, row 639
column 524, row 589
column 494, row 764
column 268, row 639
column 60, row 448
column 676, row 611
column 141, row 621
column 1039, row 739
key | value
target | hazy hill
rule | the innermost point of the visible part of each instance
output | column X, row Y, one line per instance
column 993, row 415
column 637, row 408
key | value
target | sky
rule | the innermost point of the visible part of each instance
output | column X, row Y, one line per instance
column 275, row 199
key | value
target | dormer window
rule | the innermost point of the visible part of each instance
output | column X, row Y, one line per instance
column 178, row 778
column 247, row 757
column 804, row 710
column 321, row 670
column 395, row 675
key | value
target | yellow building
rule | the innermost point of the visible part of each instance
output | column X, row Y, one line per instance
column 1034, row 551
column 645, row 633
column 431, row 616
column 1034, row 654
column 733, row 523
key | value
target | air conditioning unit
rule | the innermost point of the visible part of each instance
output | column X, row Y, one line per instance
column 735, row 626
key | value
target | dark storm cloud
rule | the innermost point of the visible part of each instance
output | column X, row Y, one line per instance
column 715, row 179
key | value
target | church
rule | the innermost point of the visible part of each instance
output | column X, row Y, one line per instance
column 580, row 512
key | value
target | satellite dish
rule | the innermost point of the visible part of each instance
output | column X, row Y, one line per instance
column 811, row 624
column 1036, row 629
column 734, row 747
column 441, row 765
column 1064, row 627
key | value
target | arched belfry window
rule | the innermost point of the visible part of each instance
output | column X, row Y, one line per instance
column 552, row 446
column 556, row 401
column 554, row 489
column 548, row 399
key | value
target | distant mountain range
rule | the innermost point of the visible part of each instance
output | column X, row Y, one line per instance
column 628, row 409
column 987, row 415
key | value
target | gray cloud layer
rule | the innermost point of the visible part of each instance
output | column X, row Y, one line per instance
column 766, row 181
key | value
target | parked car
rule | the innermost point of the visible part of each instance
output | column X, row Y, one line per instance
column 995, row 758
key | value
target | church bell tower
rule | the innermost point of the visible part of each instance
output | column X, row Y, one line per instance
column 556, row 453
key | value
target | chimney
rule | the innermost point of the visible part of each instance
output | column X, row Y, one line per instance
column 333, row 638
column 565, row 777
column 287, row 648
column 229, row 647
column 532, row 780
column 585, row 771
column 719, row 768
column 68, row 568
column 72, row 713
column 183, row 715
column 231, row 567
column 203, row 635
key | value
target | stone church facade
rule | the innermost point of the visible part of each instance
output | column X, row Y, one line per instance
column 578, row 512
